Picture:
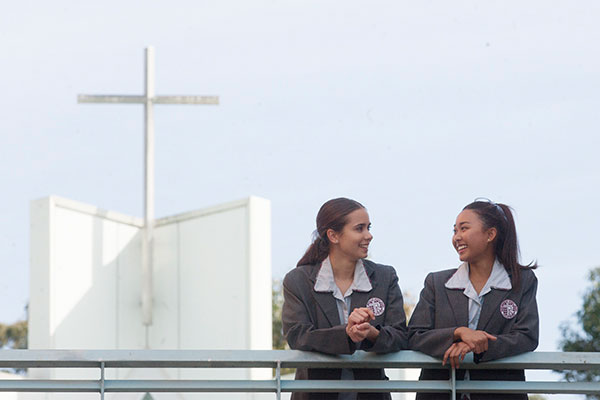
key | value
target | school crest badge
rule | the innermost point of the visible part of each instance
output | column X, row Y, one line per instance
column 376, row 305
column 509, row 309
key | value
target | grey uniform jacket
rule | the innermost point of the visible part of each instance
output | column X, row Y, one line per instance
column 441, row 310
column 311, row 322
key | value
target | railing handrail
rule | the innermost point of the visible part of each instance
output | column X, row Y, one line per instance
column 278, row 359
column 270, row 359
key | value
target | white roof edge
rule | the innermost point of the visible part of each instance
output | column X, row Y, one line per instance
column 207, row 211
column 95, row 211
column 139, row 222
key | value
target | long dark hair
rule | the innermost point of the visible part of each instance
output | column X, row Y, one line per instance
column 499, row 216
column 332, row 215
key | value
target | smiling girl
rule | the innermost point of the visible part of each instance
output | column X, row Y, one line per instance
column 337, row 302
column 486, row 306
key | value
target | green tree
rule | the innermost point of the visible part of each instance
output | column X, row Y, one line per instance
column 14, row 336
column 279, row 342
column 587, row 336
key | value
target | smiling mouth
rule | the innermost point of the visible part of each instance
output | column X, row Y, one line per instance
column 461, row 247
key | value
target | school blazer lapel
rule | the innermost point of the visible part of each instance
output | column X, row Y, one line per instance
column 325, row 300
column 459, row 304
column 360, row 299
column 491, row 304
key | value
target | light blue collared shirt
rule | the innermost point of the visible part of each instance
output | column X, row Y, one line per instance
column 326, row 283
column 498, row 279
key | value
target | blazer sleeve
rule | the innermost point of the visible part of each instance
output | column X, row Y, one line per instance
column 524, row 333
column 422, row 334
column 393, row 334
column 300, row 331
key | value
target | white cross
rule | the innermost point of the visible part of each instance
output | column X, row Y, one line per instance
column 148, row 100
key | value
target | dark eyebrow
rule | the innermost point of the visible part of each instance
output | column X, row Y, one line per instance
column 461, row 224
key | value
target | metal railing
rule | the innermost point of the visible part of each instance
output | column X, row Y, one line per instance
column 278, row 359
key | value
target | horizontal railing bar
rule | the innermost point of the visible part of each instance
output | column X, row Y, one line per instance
column 52, row 385
column 287, row 359
column 528, row 387
column 207, row 359
column 213, row 386
column 270, row 386
column 269, row 358
column 541, row 360
column 365, row 386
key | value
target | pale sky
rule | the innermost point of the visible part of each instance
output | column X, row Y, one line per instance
column 413, row 109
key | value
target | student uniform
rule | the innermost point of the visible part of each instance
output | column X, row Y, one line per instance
column 312, row 319
column 449, row 301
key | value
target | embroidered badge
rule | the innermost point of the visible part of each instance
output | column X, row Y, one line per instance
column 508, row 309
column 376, row 305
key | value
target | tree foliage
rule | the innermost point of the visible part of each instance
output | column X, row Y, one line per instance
column 13, row 336
column 279, row 342
column 586, row 337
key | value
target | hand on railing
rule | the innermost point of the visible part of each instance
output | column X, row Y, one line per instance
column 476, row 340
column 467, row 340
column 456, row 353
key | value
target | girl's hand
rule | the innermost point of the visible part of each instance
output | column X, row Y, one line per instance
column 476, row 340
column 359, row 328
column 456, row 353
column 362, row 331
column 360, row 315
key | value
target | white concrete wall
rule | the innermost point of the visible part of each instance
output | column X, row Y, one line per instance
column 211, row 286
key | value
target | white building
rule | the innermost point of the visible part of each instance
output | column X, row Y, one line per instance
column 211, row 286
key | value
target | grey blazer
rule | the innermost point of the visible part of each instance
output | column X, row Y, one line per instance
column 441, row 310
column 311, row 322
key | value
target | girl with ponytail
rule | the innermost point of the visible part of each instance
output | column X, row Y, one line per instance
column 486, row 306
column 336, row 301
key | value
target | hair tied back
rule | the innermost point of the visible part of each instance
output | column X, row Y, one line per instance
column 496, row 205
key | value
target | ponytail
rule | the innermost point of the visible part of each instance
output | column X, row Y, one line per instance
column 500, row 216
column 316, row 252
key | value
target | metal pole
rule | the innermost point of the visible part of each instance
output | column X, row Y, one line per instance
column 102, row 380
column 453, row 378
column 148, row 189
column 278, row 377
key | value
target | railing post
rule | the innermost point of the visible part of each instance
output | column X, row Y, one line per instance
column 278, row 377
column 453, row 378
column 102, row 380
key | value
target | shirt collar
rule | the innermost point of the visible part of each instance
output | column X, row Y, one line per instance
column 326, row 282
column 498, row 279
